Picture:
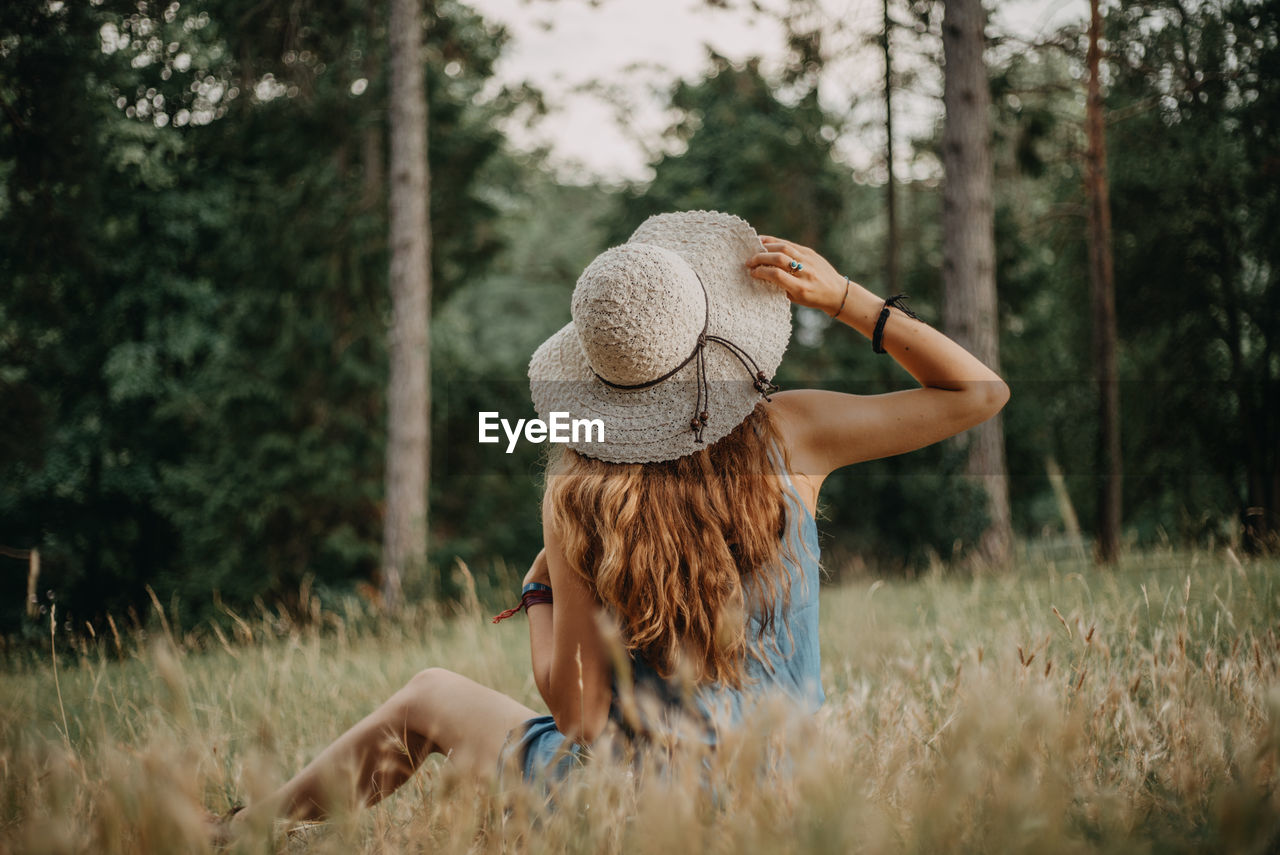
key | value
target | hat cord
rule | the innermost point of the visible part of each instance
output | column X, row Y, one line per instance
column 701, row 412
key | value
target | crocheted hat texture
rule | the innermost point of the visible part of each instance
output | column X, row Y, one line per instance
column 646, row 308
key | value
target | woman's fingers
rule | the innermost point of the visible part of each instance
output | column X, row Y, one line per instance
column 804, row 276
column 788, row 282
column 799, row 291
column 804, row 286
column 775, row 267
column 776, row 244
column 777, row 259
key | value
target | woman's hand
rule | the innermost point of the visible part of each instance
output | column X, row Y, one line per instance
column 816, row 283
column 539, row 571
column 826, row 430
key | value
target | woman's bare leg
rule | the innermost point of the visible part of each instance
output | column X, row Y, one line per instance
column 436, row 711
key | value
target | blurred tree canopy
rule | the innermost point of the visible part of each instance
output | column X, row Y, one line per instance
column 193, row 245
column 1192, row 146
column 744, row 150
column 1196, row 189
column 194, row 300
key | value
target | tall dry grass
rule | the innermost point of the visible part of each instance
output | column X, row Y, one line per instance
column 1056, row 709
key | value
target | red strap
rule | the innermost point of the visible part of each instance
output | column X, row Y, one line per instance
column 503, row 615
column 530, row 598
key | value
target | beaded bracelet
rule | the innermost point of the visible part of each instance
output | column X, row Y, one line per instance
column 530, row 595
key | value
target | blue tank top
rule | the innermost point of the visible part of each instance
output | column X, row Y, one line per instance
column 787, row 663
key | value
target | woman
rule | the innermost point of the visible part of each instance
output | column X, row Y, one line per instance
column 689, row 524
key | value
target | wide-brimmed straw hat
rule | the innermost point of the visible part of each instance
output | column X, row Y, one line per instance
column 672, row 343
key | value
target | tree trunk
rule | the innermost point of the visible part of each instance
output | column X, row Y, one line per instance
column 404, row 541
column 372, row 143
column 891, row 233
column 969, row 312
column 1102, row 299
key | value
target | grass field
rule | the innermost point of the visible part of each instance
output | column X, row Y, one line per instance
column 1055, row 709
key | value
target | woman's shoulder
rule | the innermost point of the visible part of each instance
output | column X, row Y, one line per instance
column 796, row 413
column 792, row 414
column 799, row 403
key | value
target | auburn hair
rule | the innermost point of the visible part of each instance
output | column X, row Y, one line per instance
column 678, row 552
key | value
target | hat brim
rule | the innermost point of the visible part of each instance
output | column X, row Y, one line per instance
column 653, row 424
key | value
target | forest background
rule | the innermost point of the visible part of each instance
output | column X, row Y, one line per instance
column 194, row 296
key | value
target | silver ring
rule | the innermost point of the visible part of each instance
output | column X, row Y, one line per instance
column 797, row 266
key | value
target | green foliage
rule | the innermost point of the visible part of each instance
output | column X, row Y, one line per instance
column 745, row 151
column 193, row 311
column 193, row 330
column 1042, row 274
column 1199, row 304
column 1191, row 148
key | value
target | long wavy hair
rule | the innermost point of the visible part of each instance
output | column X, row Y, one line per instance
column 678, row 552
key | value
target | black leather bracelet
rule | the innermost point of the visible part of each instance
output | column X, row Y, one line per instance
column 877, row 337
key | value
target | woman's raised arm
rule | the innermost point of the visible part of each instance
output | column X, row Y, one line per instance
column 827, row 430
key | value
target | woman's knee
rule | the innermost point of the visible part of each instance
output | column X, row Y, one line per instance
column 430, row 679
column 415, row 709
